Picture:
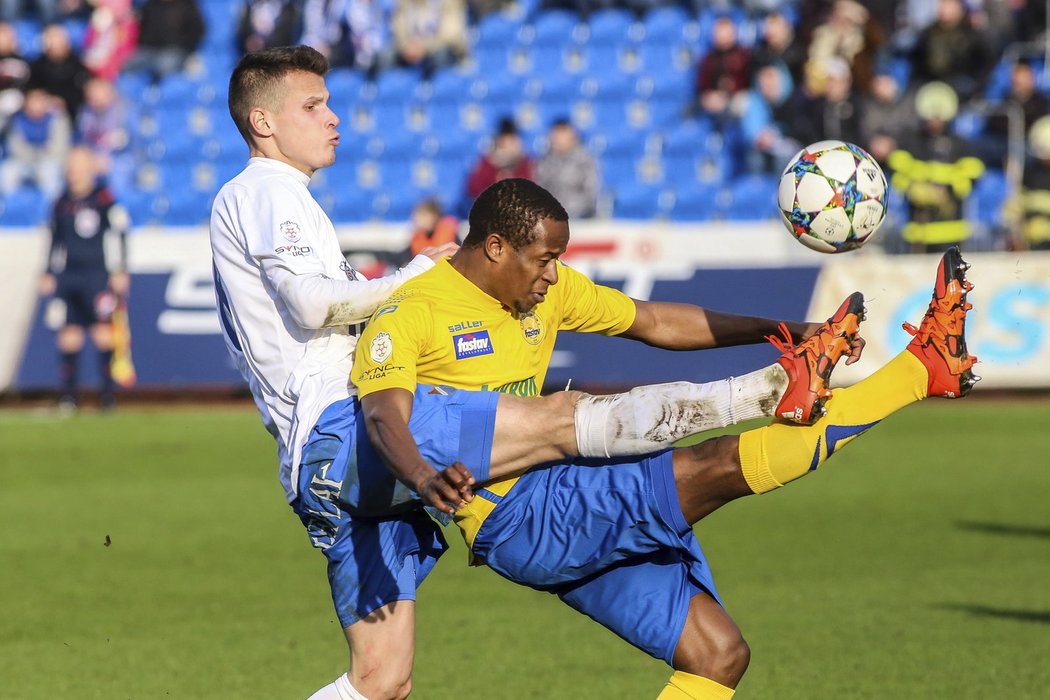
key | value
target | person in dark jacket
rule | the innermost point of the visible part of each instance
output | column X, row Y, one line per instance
column 59, row 70
column 169, row 31
column 86, row 271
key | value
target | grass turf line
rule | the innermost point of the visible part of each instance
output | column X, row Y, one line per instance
column 913, row 565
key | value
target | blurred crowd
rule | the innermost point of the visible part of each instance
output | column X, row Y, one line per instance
column 941, row 92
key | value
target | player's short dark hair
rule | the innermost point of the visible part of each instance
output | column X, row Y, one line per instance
column 255, row 80
column 512, row 208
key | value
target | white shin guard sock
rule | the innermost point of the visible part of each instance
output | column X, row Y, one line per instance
column 339, row 689
column 653, row 417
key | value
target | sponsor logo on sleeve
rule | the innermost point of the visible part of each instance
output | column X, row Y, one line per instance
column 351, row 273
column 472, row 344
column 532, row 328
column 290, row 230
column 381, row 348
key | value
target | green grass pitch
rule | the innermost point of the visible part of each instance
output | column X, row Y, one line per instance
column 916, row 564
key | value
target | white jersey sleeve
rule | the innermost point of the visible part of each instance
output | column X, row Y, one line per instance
column 287, row 298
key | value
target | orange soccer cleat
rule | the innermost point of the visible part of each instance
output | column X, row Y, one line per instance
column 809, row 363
column 940, row 340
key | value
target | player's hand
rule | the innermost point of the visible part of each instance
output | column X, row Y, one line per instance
column 448, row 489
column 856, row 347
column 437, row 253
column 47, row 285
column 119, row 282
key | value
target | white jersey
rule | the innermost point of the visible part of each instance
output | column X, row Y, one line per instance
column 288, row 301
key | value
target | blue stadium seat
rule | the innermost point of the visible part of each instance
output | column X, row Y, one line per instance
column 499, row 91
column 345, row 86
column 350, row 205
column 450, row 86
column 497, row 29
column 177, row 91
column 397, row 85
column 637, row 201
column 698, row 202
column 610, row 27
column 989, row 194
column 687, row 138
column 555, row 87
column 28, row 33
column 555, row 28
column 26, row 206
column 185, row 207
column 667, row 25
column 752, row 197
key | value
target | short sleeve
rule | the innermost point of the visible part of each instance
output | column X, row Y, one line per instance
column 592, row 308
column 390, row 346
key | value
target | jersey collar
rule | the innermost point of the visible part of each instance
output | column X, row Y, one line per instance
column 282, row 166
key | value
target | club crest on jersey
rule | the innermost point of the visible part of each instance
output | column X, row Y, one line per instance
column 531, row 328
column 290, row 230
column 381, row 348
column 472, row 344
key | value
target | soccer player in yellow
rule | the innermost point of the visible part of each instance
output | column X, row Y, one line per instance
column 614, row 541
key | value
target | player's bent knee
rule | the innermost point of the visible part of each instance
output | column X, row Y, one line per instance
column 382, row 682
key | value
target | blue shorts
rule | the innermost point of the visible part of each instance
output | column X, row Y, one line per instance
column 87, row 298
column 608, row 538
column 379, row 541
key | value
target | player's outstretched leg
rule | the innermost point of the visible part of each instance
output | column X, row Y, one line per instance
column 935, row 363
column 809, row 364
column 651, row 418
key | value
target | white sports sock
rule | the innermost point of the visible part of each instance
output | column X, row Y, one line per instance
column 339, row 689
column 653, row 417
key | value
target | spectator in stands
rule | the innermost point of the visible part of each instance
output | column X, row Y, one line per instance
column 38, row 140
column 430, row 34
column 569, row 171
column 722, row 73
column 265, row 24
column 935, row 170
column 103, row 123
column 952, row 50
column 169, row 32
column 111, row 38
column 506, row 158
column 59, row 70
column 87, row 270
column 1030, row 209
column 887, row 115
column 1025, row 103
column 852, row 34
column 834, row 113
column 14, row 74
column 351, row 33
column 777, row 45
column 430, row 227
column 765, row 112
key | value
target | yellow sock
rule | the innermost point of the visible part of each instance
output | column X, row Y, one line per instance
column 686, row 686
column 778, row 453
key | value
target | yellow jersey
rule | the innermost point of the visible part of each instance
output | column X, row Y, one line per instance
column 440, row 328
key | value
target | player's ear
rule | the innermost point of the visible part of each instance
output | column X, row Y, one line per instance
column 494, row 247
column 259, row 122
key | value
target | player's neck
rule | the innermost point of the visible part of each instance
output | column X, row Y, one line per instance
column 472, row 264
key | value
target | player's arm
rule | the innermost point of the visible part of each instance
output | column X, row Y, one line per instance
column 386, row 415
column 687, row 327
column 55, row 255
column 115, row 248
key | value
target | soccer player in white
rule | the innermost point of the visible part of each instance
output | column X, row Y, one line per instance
column 290, row 305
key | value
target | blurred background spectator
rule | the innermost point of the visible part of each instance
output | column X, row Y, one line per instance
column 59, row 70
column 569, row 171
column 43, row 10
column 935, row 170
column 849, row 33
column 38, row 139
column 723, row 72
column 431, row 226
column 430, row 34
column 169, row 31
column 764, row 116
column 1029, row 208
column 952, row 50
column 887, row 114
column 112, row 35
column 1024, row 103
column 264, row 24
column 102, row 126
column 777, row 45
column 352, row 33
column 505, row 158
column 14, row 74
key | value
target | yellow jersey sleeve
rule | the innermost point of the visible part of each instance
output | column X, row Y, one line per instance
column 390, row 346
column 592, row 308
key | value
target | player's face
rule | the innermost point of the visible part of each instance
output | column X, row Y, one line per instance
column 527, row 273
column 304, row 128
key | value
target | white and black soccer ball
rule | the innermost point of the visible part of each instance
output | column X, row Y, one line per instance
column 832, row 196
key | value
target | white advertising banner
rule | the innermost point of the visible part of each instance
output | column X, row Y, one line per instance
column 1008, row 328
column 21, row 267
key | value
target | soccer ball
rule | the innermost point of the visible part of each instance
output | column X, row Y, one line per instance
column 832, row 196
